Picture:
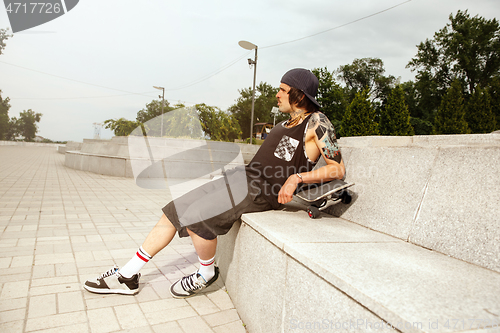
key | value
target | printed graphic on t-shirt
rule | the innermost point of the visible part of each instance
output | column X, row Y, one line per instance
column 286, row 148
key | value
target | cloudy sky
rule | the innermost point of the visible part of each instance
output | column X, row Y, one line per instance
column 101, row 59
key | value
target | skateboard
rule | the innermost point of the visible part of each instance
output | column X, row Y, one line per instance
column 317, row 195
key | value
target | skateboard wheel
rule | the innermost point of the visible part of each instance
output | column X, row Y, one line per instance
column 346, row 198
column 313, row 212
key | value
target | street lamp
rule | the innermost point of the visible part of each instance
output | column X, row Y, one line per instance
column 162, row 102
column 249, row 46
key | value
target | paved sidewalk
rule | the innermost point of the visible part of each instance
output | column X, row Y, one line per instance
column 59, row 227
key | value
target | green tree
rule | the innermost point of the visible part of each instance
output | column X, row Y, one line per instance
column 494, row 92
column 419, row 120
column 467, row 48
column 152, row 110
column 331, row 96
column 479, row 116
column 450, row 117
column 3, row 38
column 367, row 74
column 411, row 98
column 14, row 129
column 4, row 117
column 217, row 124
column 122, row 126
column 179, row 122
column 429, row 95
column 26, row 124
column 395, row 116
column 359, row 118
column 4, row 103
column 265, row 100
column 421, row 127
column 182, row 122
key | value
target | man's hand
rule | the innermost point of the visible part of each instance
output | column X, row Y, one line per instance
column 288, row 189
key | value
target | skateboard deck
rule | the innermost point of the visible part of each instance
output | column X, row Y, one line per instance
column 317, row 195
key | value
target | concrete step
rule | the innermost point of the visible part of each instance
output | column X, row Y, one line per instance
column 156, row 157
column 285, row 272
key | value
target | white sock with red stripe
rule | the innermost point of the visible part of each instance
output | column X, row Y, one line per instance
column 207, row 268
column 135, row 264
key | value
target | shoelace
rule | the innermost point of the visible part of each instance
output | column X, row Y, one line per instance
column 191, row 283
column 108, row 273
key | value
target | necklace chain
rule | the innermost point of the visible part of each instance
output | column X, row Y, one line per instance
column 294, row 121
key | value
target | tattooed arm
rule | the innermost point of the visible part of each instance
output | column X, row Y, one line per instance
column 325, row 144
column 320, row 140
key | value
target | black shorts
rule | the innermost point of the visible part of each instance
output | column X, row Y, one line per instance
column 212, row 208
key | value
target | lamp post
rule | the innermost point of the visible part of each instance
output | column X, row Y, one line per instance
column 249, row 46
column 162, row 102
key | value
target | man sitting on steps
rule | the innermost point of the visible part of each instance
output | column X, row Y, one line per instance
column 284, row 160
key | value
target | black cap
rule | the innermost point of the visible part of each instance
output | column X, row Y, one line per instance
column 304, row 80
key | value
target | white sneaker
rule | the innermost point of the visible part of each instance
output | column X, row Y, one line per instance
column 111, row 282
column 191, row 284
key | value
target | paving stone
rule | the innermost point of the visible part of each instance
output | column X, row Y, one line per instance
column 83, row 256
column 65, row 269
column 54, row 281
column 12, row 315
column 130, row 316
column 26, row 242
column 73, row 328
column 162, row 289
column 12, row 326
column 234, row 327
column 48, row 259
column 103, row 320
column 106, row 301
column 58, row 320
column 93, row 238
column 202, row 304
column 11, row 304
column 147, row 294
column 41, row 306
column 60, row 227
column 144, row 329
column 158, row 317
column 222, row 317
column 195, row 324
column 40, row 271
column 14, row 290
column 22, row 261
column 53, row 289
column 15, row 270
column 15, row 277
column 171, row 327
column 221, row 299
column 70, row 302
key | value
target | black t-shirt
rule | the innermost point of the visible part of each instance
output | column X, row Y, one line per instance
column 281, row 155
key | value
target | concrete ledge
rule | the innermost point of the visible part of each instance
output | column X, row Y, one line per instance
column 102, row 164
column 179, row 158
column 440, row 192
column 69, row 146
column 285, row 271
column 417, row 248
column 29, row 144
column 492, row 139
